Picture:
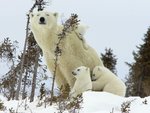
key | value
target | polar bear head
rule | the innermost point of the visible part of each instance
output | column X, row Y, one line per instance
column 81, row 72
column 43, row 20
column 97, row 73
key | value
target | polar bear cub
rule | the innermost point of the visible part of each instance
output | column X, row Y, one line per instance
column 83, row 81
column 104, row 80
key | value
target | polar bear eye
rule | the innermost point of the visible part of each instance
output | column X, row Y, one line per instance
column 93, row 75
column 47, row 14
column 78, row 69
column 31, row 15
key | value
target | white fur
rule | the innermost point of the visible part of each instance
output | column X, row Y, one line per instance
column 82, row 29
column 75, row 52
column 104, row 80
column 83, row 81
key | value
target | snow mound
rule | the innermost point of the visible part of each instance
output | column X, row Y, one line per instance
column 103, row 102
column 93, row 102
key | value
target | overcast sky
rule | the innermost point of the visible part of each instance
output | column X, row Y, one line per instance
column 116, row 24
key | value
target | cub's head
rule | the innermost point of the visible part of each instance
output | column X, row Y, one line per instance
column 43, row 20
column 81, row 72
column 97, row 72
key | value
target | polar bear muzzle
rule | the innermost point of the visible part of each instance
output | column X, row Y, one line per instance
column 93, row 78
column 74, row 73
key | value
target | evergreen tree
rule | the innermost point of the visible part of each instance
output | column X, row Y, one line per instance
column 109, row 60
column 32, row 62
column 8, row 54
column 140, row 69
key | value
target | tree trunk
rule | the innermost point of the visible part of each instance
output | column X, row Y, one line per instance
column 139, row 90
column 12, row 87
column 21, row 71
column 24, row 86
column 12, row 90
column 23, row 58
column 34, row 76
column 139, row 85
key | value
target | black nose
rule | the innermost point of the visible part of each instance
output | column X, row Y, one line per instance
column 73, row 73
column 42, row 20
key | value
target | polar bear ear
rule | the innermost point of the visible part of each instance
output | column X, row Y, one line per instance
column 55, row 14
column 99, row 69
column 87, row 69
column 31, row 15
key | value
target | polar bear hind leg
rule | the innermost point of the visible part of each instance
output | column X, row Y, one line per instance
column 117, row 89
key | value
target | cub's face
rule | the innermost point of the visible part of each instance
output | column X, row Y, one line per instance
column 80, row 71
column 96, row 73
column 43, row 19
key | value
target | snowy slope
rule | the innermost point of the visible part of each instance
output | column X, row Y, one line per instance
column 93, row 102
column 101, row 102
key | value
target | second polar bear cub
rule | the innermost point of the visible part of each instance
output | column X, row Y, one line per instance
column 104, row 80
column 82, row 82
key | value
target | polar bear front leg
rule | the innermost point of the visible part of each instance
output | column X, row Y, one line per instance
column 67, row 74
column 73, row 93
column 60, row 81
column 96, row 86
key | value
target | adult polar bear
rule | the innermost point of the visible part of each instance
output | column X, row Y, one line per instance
column 104, row 80
column 74, row 52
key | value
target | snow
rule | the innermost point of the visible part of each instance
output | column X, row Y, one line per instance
column 93, row 102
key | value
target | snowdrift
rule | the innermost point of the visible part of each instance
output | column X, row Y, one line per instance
column 93, row 102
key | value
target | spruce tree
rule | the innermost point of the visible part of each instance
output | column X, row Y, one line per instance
column 140, row 69
column 109, row 60
column 8, row 54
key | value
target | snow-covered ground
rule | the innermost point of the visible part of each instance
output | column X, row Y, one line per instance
column 93, row 102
